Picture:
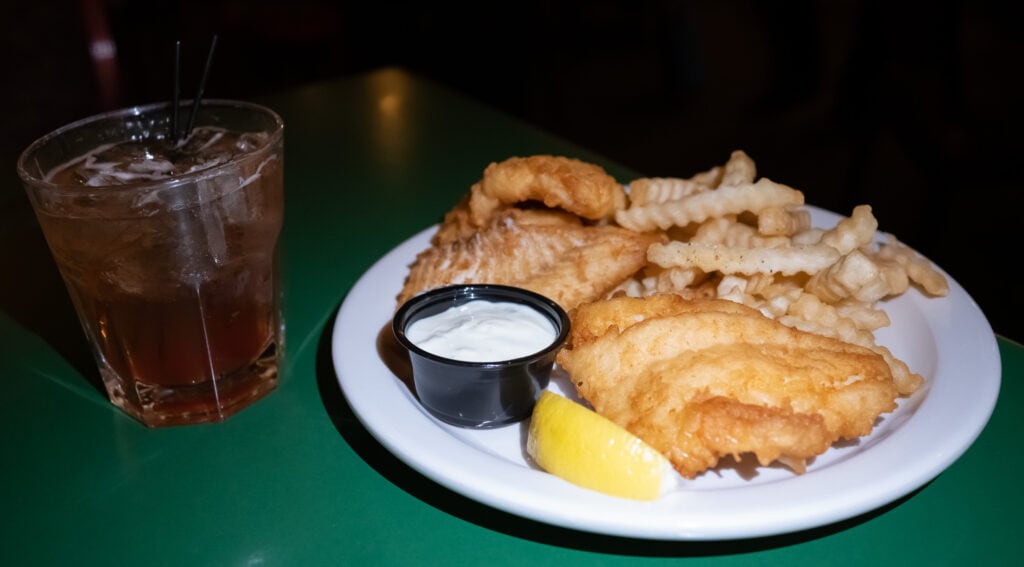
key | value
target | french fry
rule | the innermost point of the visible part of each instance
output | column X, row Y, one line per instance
column 857, row 276
column 730, row 232
column 657, row 190
column 781, row 221
column 725, row 200
column 852, row 232
column 731, row 260
column 739, row 170
column 920, row 270
column 864, row 314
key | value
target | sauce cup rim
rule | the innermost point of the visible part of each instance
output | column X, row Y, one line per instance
column 457, row 294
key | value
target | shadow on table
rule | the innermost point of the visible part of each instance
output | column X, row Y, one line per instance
column 414, row 483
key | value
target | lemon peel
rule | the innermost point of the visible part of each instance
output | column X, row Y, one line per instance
column 579, row 445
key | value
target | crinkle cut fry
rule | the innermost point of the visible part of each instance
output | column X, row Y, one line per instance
column 858, row 276
column 783, row 221
column 852, row 232
column 919, row 269
column 730, row 232
column 699, row 207
column 739, row 170
column 655, row 190
column 732, row 260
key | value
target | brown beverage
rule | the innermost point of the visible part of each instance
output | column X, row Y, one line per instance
column 169, row 253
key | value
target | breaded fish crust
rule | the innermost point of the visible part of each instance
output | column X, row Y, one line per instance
column 547, row 251
column 558, row 182
column 700, row 380
column 552, row 182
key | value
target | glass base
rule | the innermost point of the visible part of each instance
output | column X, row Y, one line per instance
column 211, row 401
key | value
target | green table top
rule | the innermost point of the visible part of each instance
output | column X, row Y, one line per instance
column 296, row 479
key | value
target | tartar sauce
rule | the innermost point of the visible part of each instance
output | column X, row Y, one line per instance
column 483, row 331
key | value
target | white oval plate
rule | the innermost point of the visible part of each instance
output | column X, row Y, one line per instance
column 947, row 340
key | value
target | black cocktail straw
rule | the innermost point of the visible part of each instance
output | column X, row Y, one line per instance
column 177, row 91
column 202, row 86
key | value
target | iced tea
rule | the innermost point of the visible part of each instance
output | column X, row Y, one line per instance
column 169, row 250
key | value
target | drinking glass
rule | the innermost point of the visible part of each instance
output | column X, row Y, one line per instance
column 168, row 243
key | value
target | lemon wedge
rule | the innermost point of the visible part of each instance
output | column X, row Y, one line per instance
column 585, row 448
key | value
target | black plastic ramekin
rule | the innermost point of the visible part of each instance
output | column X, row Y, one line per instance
column 479, row 394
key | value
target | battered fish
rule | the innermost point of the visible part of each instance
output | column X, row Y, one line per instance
column 551, row 252
column 554, row 182
column 700, row 380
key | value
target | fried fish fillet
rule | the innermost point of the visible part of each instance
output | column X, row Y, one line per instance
column 555, row 182
column 547, row 251
column 700, row 380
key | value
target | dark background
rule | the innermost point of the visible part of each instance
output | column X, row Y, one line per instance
column 912, row 107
